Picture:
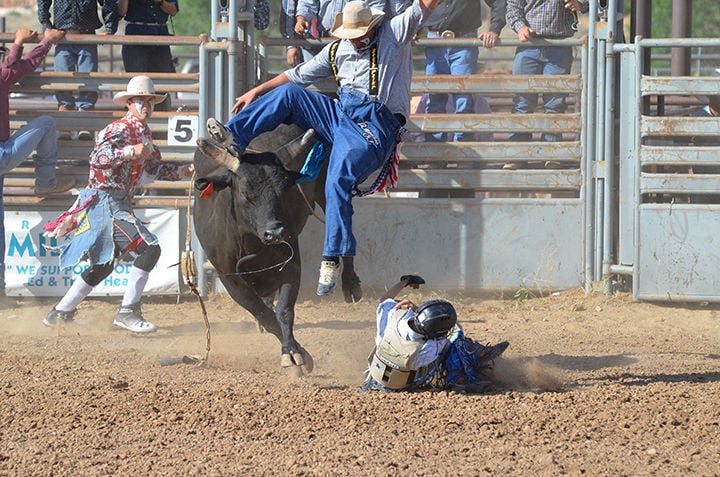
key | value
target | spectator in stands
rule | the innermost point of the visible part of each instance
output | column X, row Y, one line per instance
column 537, row 19
column 458, row 19
column 77, row 18
column 480, row 106
column 38, row 135
column 148, row 17
column 123, row 158
column 295, row 54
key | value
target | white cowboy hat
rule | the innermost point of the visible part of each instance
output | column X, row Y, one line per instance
column 355, row 20
column 138, row 86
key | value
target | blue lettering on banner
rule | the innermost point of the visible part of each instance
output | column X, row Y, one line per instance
column 25, row 269
column 16, row 247
column 115, row 282
column 27, row 246
column 33, row 269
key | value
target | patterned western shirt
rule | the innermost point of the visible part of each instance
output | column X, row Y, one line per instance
column 78, row 15
column 547, row 18
column 113, row 164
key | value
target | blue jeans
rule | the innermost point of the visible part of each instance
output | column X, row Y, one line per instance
column 545, row 60
column 80, row 58
column 450, row 61
column 362, row 134
column 38, row 135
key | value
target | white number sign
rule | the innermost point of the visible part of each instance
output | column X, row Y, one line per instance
column 182, row 130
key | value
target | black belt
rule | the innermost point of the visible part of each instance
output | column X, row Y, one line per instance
column 81, row 31
column 400, row 118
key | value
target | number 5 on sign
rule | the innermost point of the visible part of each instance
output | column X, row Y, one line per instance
column 182, row 130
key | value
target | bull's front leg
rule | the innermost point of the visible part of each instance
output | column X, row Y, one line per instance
column 293, row 354
column 247, row 297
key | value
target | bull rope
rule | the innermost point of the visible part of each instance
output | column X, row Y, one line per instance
column 307, row 202
column 189, row 271
column 279, row 264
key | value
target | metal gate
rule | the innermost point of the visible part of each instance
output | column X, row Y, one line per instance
column 669, row 181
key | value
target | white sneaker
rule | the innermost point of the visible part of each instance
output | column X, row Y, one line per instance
column 218, row 132
column 130, row 318
column 328, row 277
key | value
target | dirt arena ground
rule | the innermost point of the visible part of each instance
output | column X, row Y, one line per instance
column 591, row 385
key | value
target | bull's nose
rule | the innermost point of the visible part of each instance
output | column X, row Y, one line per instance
column 274, row 233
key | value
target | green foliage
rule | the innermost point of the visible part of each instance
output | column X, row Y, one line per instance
column 193, row 18
column 705, row 18
column 522, row 294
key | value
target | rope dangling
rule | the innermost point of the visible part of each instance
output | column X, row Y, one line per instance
column 188, row 269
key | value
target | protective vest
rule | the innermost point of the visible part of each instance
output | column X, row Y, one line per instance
column 389, row 365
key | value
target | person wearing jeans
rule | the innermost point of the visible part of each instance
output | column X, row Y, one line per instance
column 549, row 19
column 458, row 19
column 106, row 228
column 372, row 63
column 38, row 135
column 75, row 17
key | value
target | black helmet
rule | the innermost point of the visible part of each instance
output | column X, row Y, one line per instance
column 435, row 318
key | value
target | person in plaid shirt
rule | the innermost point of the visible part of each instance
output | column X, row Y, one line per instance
column 124, row 159
column 551, row 19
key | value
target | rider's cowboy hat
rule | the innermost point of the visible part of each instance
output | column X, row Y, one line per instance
column 355, row 20
column 138, row 86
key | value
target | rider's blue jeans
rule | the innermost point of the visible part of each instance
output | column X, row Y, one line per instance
column 362, row 134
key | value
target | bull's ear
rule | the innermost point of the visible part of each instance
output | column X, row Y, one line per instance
column 298, row 147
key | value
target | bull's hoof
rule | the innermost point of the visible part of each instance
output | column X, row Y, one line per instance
column 286, row 360
column 352, row 294
column 301, row 360
column 308, row 362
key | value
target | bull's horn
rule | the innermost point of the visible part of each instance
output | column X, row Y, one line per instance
column 298, row 146
column 219, row 155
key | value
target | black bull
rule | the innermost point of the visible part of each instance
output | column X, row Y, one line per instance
column 249, row 229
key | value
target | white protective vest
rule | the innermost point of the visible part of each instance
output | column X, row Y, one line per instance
column 389, row 365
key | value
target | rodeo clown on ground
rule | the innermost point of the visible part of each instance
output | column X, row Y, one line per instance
column 424, row 347
column 102, row 223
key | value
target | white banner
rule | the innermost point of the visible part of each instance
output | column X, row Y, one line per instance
column 32, row 270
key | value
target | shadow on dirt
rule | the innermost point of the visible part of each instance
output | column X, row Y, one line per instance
column 586, row 363
column 628, row 379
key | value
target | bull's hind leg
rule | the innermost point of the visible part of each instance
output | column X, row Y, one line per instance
column 352, row 291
